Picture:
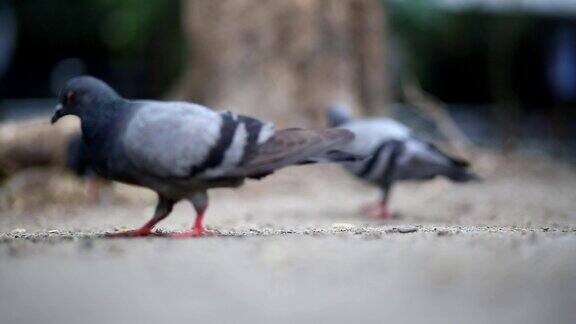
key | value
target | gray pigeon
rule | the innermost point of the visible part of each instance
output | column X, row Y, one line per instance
column 395, row 154
column 180, row 150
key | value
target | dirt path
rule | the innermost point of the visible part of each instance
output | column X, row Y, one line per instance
column 294, row 249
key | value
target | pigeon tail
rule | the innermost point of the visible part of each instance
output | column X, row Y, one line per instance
column 338, row 115
column 296, row 147
column 458, row 168
column 461, row 175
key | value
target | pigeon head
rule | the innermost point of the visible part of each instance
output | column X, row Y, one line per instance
column 338, row 115
column 82, row 94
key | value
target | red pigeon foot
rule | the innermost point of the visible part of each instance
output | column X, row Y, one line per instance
column 377, row 210
column 195, row 232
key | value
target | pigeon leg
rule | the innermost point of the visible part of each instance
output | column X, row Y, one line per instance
column 197, row 231
column 200, row 203
column 384, row 213
column 163, row 209
column 92, row 190
column 380, row 209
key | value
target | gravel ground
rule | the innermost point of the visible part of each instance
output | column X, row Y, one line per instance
column 293, row 249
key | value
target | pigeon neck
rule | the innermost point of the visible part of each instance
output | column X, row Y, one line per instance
column 98, row 122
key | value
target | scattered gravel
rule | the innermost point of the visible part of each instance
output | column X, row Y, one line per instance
column 293, row 249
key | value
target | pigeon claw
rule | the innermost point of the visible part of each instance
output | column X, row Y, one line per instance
column 385, row 214
column 195, row 232
column 377, row 210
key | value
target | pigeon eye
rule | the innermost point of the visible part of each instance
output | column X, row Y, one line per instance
column 71, row 98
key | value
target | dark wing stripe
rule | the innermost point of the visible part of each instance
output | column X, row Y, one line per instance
column 253, row 128
column 216, row 154
column 397, row 148
column 372, row 161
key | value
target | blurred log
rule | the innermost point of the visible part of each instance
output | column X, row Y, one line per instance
column 284, row 60
column 34, row 143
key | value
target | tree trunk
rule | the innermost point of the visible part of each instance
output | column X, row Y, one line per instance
column 284, row 61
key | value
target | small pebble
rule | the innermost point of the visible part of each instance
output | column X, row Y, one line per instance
column 407, row 229
column 18, row 231
column 403, row 230
column 343, row 226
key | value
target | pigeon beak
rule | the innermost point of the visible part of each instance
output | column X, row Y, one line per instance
column 58, row 113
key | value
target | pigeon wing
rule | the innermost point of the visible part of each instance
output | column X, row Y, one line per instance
column 181, row 140
column 371, row 133
column 170, row 139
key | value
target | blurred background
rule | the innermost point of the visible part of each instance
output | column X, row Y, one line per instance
column 509, row 65
column 497, row 75
column 492, row 81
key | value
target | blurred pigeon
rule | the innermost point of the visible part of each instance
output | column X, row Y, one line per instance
column 180, row 150
column 395, row 154
column 78, row 161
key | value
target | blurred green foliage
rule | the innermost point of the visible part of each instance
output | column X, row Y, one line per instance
column 458, row 47
column 128, row 24
column 123, row 26
column 125, row 37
